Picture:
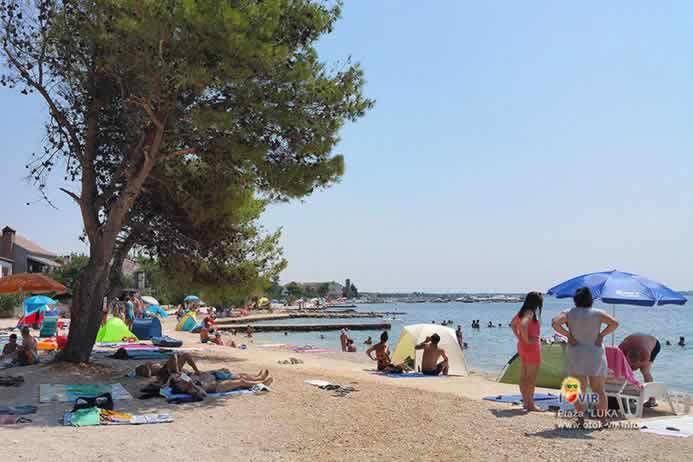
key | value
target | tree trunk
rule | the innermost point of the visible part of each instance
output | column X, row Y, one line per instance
column 86, row 311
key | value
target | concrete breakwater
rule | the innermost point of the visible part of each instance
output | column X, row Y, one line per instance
column 305, row 327
column 303, row 314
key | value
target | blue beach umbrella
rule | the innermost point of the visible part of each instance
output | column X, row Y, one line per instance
column 191, row 298
column 619, row 288
column 36, row 303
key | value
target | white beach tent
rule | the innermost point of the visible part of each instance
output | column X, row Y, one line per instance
column 417, row 333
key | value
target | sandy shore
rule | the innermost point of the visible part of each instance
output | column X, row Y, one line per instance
column 400, row 419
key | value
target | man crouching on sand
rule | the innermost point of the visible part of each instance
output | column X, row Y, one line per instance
column 431, row 353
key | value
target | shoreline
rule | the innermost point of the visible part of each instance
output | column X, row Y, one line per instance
column 417, row 419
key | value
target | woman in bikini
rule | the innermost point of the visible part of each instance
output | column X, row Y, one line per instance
column 382, row 356
column 526, row 328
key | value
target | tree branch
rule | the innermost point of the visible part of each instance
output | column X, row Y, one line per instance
column 72, row 195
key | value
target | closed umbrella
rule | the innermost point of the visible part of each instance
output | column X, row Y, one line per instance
column 619, row 288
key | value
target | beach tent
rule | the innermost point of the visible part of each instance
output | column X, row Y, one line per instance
column 156, row 310
column 31, row 320
column 187, row 322
column 145, row 329
column 417, row 333
column 113, row 331
column 551, row 372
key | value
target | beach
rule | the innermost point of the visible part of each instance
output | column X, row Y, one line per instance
column 405, row 419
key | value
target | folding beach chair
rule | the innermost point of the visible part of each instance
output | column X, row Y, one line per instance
column 631, row 394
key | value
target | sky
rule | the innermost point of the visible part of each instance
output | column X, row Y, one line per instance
column 513, row 145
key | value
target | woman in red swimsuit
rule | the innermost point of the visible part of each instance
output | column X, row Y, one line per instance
column 526, row 328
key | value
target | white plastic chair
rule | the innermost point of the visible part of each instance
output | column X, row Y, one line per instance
column 631, row 399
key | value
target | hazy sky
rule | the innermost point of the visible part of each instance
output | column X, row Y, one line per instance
column 513, row 145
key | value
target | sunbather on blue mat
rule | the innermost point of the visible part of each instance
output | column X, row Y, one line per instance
column 200, row 384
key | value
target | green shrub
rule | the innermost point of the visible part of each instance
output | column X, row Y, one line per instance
column 7, row 305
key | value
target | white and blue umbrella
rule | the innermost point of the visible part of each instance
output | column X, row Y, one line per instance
column 619, row 288
column 191, row 298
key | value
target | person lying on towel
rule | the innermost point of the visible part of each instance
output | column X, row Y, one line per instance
column 431, row 355
column 174, row 364
column 200, row 384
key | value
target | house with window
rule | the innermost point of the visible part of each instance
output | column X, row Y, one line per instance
column 20, row 255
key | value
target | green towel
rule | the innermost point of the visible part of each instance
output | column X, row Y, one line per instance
column 86, row 417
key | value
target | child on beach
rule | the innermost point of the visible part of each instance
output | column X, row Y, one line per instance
column 526, row 328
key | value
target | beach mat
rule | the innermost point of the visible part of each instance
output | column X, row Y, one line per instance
column 120, row 418
column 311, row 350
column 679, row 427
column 518, row 398
column 65, row 393
column 185, row 398
column 20, row 409
column 408, row 375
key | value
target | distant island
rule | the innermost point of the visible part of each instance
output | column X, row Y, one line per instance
column 422, row 297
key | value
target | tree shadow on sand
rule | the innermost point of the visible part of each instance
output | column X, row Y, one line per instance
column 99, row 371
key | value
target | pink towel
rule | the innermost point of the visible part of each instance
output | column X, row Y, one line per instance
column 619, row 366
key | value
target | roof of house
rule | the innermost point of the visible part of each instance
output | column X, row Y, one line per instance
column 32, row 247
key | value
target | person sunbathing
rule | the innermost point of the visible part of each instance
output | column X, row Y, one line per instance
column 10, row 349
column 201, row 384
column 174, row 364
column 27, row 353
column 431, row 354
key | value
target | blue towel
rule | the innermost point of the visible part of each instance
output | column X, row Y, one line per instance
column 407, row 375
column 21, row 409
column 183, row 397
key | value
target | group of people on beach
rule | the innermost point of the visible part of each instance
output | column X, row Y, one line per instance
column 198, row 384
column 25, row 354
column 434, row 359
column 585, row 329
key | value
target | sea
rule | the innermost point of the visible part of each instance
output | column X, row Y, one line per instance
column 491, row 348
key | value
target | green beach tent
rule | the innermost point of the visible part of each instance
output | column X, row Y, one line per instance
column 113, row 331
column 551, row 372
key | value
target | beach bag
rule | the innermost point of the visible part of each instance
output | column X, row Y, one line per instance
column 103, row 401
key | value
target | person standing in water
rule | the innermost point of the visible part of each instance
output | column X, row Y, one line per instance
column 526, row 327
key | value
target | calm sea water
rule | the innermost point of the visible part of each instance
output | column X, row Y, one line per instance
column 490, row 348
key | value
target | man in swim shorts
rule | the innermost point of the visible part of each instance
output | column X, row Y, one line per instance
column 431, row 355
column 641, row 350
